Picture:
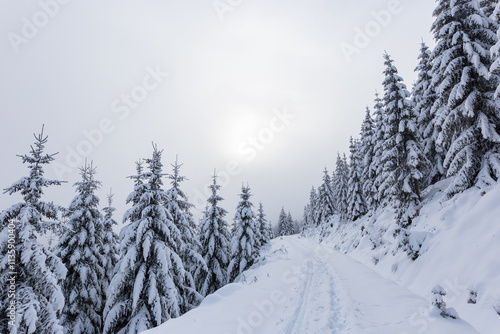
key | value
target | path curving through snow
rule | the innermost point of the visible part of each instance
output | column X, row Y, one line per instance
column 302, row 287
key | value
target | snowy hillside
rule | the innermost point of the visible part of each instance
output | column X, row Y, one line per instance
column 460, row 243
column 303, row 286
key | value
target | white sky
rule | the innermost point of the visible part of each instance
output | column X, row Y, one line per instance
column 227, row 79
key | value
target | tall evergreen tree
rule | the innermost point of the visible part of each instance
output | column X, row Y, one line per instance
column 110, row 244
column 356, row 205
column 284, row 224
column 215, row 242
column 378, row 151
column 366, row 153
column 243, row 243
column 312, row 215
column 403, row 159
column 467, row 114
column 325, row 201
column 263, row 225
column 38, row 273
column 147, row 288
column 340, row 184
column 81, row 252
column 178, row 206
column 423, row 98
column 291, row 223
column 488, row 7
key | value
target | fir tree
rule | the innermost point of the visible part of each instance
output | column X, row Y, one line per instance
column 340, row 184
column 243, row 243
column 378, row 151
column 403, row 159
column 325, row 201
column 80, row 250
column 465, row 110
column 110, row 244
column 356, row 206
column 263, row 226
column 366, row 153
column 214, row 240
column 285, row 224
column 147, row 288
column 423, row 98
column 291, row 223
column 488, row 7
column 179, row 208
column 312, row 213
column 39, row 273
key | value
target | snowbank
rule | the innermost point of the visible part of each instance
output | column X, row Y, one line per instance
column 459, row 242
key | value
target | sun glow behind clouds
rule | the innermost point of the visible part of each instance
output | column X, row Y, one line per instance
column 242, row 123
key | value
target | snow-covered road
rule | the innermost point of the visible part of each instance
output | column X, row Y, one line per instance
column 302, row 287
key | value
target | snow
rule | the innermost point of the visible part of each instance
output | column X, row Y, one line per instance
column 344, row 285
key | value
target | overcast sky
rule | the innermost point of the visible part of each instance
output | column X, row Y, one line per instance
column 265, row 91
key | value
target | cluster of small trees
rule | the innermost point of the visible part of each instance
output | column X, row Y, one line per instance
column 92, row 281
column 448, row 126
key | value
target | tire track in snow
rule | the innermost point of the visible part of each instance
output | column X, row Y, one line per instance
column 318, row 308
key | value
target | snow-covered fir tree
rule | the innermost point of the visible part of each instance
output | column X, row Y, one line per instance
column 366, row 158
column 356, row 205
column 271, row 231
column 312, row 208
column 291, row 223
column 488, row 7
column 340, row 184
column 285, row 224
column 378, row 151
column 80, row 249
column 243, row 243
column 149, row 282
column 423, row 98
column 39, row 272
column 178, row 206
column 403, row 159
column 215, row 241
column 325, row 204
column 263, row 226
column 466, row 113
column 110, row 242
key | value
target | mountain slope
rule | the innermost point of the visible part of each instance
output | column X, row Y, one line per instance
column 301, row 286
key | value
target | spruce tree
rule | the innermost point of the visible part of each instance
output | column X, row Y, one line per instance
column 466, row 112
column 403, row 159
column 243, row 243
column 283, row 223
column 110, row 242
column 263, row 226
column 340, row 184
column 366, row 155
column 312, row 213
column 378, row 151
column 423, row 98
column 81, row 252
column 325, row 201
column 488, row 7
column 37, row 271
column 178, row 206
column 147, row 288
column 356, row 205
column 291, row 223
column 215, row 241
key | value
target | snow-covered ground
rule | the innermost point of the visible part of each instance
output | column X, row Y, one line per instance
column 357, row 282
column 304, row 287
